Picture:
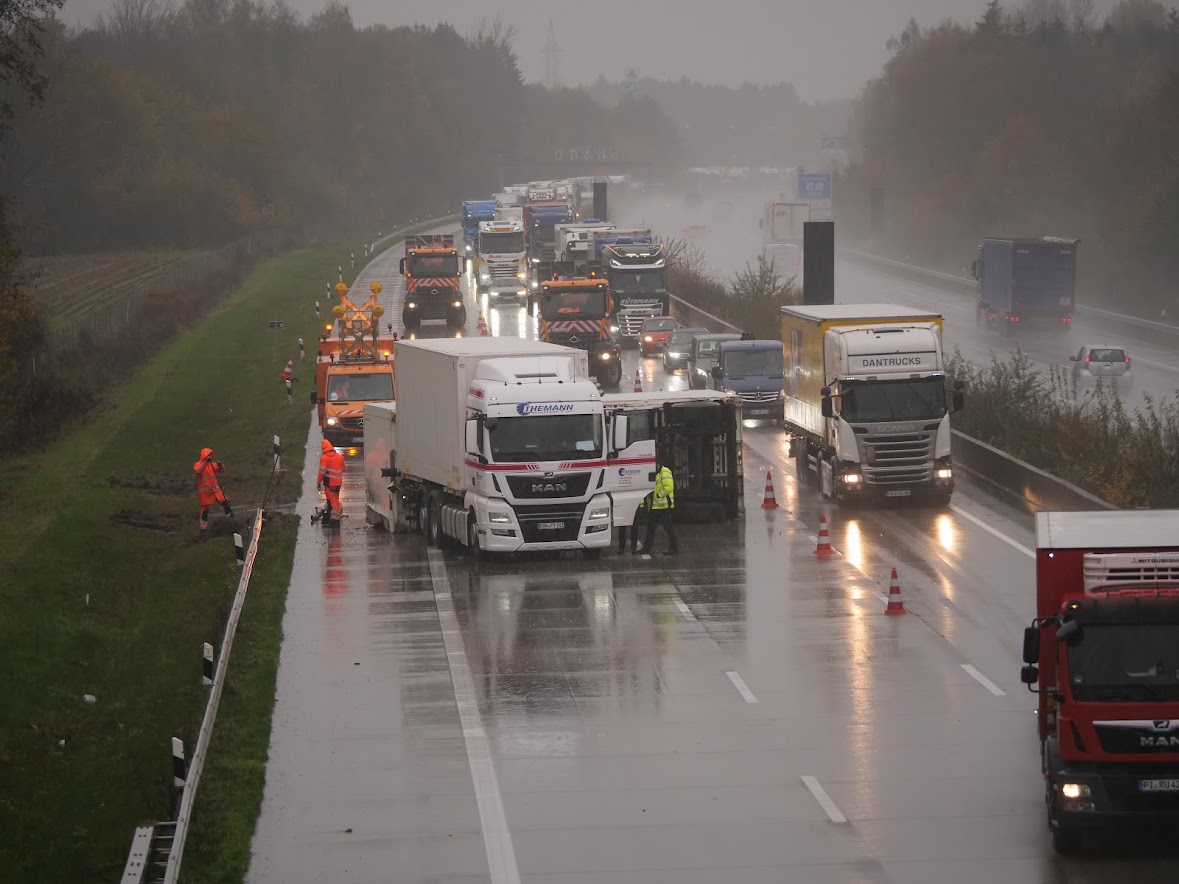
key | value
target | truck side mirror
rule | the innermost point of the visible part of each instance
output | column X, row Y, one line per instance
column 717, row 373
column 1029, row 675
column 974, row 269
column 826, row 407
column 401, row 266
column 620, row 432
column 473, row 447
column 1031, row 645
column 313, row 398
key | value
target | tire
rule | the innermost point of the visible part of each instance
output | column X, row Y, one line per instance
column 473, row 548
column 434, row 537
column 424, row 517
column 614, row 378
column 412, row 320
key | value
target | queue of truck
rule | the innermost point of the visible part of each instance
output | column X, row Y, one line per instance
column 503, row 445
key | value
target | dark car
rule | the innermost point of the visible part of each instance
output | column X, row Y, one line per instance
column 703, row 356
column 675, row 356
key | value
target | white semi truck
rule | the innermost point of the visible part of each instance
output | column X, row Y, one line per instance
column 500, row 260
column 497, row 443
column 866, row 403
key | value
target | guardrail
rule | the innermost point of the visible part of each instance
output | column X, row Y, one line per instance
column 1149, row 330
column 680, row 307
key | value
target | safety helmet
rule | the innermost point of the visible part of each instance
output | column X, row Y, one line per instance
column 326, row 446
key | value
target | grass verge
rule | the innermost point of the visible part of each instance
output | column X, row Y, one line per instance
column 108, row 591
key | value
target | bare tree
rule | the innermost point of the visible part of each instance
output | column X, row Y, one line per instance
column 1131, row 15
column 132, row 19
column 1080, row 15
column 1043, row 12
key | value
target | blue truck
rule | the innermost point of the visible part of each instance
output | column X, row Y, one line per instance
column 753, row 370
column 475, row 211
column 540, row 239
column 1026, row 284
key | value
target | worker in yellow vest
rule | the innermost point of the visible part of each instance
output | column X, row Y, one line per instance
column 662, row 508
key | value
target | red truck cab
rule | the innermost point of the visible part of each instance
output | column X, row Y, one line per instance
column 1103, row 656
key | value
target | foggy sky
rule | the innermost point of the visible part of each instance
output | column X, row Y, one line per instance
column 826, row 48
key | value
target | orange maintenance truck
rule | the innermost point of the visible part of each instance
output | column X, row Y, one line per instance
column 352, row 369
column 432, row 268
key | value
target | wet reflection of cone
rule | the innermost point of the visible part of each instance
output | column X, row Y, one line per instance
column 824, row 546
column 638, row 384
column 770, row 502
column 895, row 604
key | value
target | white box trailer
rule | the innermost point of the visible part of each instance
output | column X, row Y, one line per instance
column 498, row 443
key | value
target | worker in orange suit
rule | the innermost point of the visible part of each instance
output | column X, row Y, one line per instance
column 330, row 478
column 207, row 487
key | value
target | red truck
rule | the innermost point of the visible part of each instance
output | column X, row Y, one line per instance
column 1103, row 655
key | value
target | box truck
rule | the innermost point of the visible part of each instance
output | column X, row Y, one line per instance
column 866, row 403
column 497, row 443
column 1103, row 656
column 1026, row 284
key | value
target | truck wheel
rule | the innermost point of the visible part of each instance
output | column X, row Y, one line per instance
column 434, row 535
column 411, row 319
column 614, row 378
column 473, row 548
column 424, row 517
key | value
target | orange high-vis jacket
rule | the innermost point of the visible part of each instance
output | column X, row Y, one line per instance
column 331, row 469
column 206, row 470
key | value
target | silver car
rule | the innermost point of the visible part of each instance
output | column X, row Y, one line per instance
column 1102, row 362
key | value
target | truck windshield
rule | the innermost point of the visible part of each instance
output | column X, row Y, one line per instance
column 624, row 283
column 547, row 437
column 903, row 399
column 433, row 265
column 571, row 305
column 501, row 243
column 366, row 387
column 1126, row 661
column 757, row 363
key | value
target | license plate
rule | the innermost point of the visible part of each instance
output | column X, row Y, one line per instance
column 899, row 492
column 550, row 526
column 757, row 411
column 1158, row 785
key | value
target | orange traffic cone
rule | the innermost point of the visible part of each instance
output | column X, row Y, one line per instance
column 770, row 502
column 638, row 385
column 824, row 546
column 895, row 604
column 288, row 371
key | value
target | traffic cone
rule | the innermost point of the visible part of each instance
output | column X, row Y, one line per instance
column 895, row 604
column 770, row 502
column 638, row 384
column 824, row 546
column 288, row 371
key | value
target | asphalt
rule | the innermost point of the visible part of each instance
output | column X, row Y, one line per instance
column 741, row 712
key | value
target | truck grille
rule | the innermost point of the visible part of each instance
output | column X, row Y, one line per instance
column 630, row 322
column 504, row 272
column 583, row 342
column 352, row 423
column 568, row 485
column 896, row 458
column 761, row 396
column 532, row 517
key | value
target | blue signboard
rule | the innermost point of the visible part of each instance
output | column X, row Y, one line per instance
column 832, row 142
column 814, row 186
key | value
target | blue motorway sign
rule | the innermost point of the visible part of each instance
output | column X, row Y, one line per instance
column 814, row 186
column 832, row 142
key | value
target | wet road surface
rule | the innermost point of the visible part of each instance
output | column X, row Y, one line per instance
column 741, row 712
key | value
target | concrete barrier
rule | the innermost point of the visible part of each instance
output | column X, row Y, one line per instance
column 1017, row 481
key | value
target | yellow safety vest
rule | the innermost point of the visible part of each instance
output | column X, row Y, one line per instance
column 663, row 498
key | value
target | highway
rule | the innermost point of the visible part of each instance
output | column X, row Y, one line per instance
column 740, row 712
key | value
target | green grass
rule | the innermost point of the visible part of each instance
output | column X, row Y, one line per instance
column 92, row 606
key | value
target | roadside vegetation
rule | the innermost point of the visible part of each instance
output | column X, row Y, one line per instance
column 110, row 592
column 1041, row 118
column 1123, row 450
column 751, row 300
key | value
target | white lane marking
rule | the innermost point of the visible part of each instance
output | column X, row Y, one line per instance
column 825, row 802
column 983, row 680
column 1014, row 543
column 685, row 610
column 740, row 685
column 501, row 856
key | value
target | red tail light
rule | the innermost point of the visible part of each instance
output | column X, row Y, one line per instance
column 1127, row 360
column 1066, row 319
column 1013, row 319
column 1086, row 360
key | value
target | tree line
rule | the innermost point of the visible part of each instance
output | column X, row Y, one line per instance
column 189, row 125
column 1036, row 120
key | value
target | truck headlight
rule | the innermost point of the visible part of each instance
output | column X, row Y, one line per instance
column 485, row 277
column 520, row 274
column 852, row 478
column 332, row 422
column 1074, row 790
column 605, row 357
column 499, row 518
column 602, row 512
column 613, row 329
column 648, row 338
column 456, row 304
column 412, row 305
column 944, row 473
column 536, row 260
